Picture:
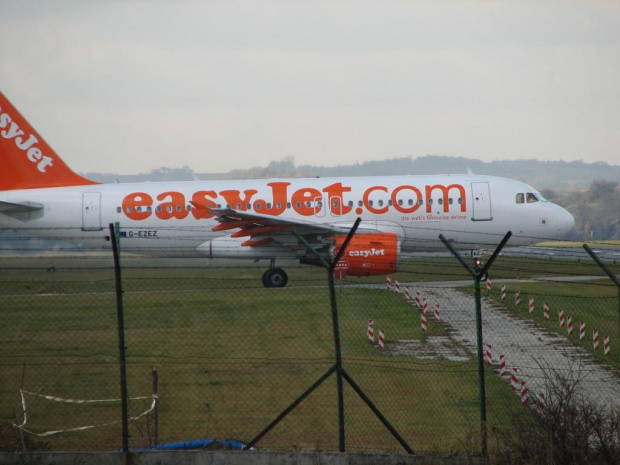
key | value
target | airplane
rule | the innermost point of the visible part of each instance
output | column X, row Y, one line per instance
column 270, row 219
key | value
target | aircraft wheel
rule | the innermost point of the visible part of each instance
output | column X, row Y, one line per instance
column 275, row 277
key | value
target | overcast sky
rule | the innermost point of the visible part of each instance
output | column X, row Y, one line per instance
column 127, row 87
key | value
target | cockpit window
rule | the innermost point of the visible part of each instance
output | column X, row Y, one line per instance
column 520, row 198
column 531, row 198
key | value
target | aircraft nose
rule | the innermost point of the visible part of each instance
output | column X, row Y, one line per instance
column 565, row 221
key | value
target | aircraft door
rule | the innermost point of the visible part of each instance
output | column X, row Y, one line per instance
column 91, row 211
column 335, row 206
column 481, row 199
column 319, row 207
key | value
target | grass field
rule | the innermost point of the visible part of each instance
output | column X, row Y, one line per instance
column 231, row 355
column 596, row 303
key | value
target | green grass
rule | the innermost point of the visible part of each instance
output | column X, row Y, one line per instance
column 231, row 356
column 597, row 303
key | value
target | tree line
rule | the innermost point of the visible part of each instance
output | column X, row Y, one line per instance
column 596, row 210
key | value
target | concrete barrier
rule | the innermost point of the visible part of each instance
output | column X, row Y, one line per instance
column 227, row 458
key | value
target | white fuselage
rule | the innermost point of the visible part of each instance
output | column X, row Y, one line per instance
column 172, row 218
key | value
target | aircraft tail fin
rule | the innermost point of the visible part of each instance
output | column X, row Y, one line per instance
column 26, row 161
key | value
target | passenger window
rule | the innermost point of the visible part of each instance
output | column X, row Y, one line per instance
column 520, row 198
column 530, row 198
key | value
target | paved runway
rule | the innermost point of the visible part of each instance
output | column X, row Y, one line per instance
column 538, row 354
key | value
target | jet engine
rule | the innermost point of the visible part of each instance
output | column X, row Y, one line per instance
column 368, row 254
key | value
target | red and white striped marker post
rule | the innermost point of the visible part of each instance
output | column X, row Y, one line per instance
column 502, row 365
column 407, row 293
column 595, row 339
column 569, row 326
column 514, row 379
column 489, row 355
column 517, row 298
column 417, row 299
column 503, row 292
column 489, row 284
column 540, row 405
column 606, row 348
column 381, row 338
column 371, row 331
column 389, row 283
column 546, row 311
column 561, row 317
column 423, row 321
column 582, row 330
column 425, row 305
column 397, row 286
column 437, row 312
column 524, row 393
column 530, row 305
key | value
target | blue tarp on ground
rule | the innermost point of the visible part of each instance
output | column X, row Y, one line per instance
column 197, row 444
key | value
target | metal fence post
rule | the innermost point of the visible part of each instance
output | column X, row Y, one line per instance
column 608, row 273
column 337, row 368
column 478, row 275
column 115, row 238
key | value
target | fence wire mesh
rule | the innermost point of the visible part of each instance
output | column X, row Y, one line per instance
column 230, row 355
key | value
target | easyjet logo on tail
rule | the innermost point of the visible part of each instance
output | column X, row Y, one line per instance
column 27, row 143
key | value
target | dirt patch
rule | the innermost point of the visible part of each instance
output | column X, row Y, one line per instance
column 429, row 348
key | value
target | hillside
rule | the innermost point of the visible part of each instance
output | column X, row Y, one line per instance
column 540, row 174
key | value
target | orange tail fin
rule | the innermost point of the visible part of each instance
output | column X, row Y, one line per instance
column 26, row 161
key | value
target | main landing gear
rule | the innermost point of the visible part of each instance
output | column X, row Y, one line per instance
column 275, row 277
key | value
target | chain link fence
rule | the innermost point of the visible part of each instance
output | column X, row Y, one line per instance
column 211, row 354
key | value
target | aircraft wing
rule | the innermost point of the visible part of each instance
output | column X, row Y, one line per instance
column 9, row 208
column 22, row 211
column 268, row 227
